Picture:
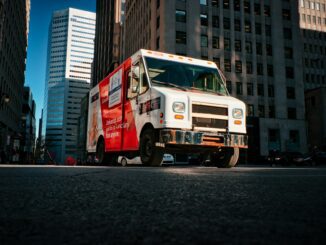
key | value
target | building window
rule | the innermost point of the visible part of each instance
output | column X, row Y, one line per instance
column 239, row 88
column 292, row 113
column 226, row 4
column 248, row 47
column 261, row 110
column 286, row 14
column 158, row 22
column 238, row 66
column 203, row 41
column 267, row 11
column 257, row 8
column 180, row 16
column 237, row 25
column 268, row 30
column 203, row 2
column 303, row 17
column 302, row 3
column 229, row 86
column 289, row 72
column 258, row 28
column 246, row 6
column 237, row 45
column 271, row 91
column 249, row 67
column 259, row 49
column 287, row 33
column 270, row 70
column 217, row 62
column 158, row 43
column 288, row 53
column 250, row 110
column 269, row 50
column 181, row 37
column 294, row 137
column 215, row 21
column 290, row 92
column 236, row 5
column 250, row 89
column 260, row 69
column 203, row 19
column 227, row 65
column 271, row 111
column 260, row 89
column 227, row 44
column 158, row 3
column 247, row 26
column 226, row 23
column 216, row 43
column 215, row 3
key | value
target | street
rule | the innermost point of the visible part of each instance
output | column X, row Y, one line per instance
column 143, row 205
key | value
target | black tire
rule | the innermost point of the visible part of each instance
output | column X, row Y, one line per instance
column 124, row 162
column 226, row 157
column 101, row 156
column 150, row 155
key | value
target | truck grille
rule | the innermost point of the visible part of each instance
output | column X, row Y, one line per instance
column 206, row 116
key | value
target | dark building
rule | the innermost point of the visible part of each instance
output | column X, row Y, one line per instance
column 28, row 132
column 14, row 25
column 108, row 38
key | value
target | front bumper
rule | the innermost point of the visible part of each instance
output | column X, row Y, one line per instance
column 184, row 137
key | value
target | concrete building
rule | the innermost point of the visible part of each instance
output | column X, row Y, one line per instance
column 68, row 76
column 313, row 27
column 316, row 118
column 28, row 129
column 14, row 27
column 257, row 45
column 108, row 47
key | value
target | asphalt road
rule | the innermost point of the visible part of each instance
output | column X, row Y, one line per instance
column 171, row 205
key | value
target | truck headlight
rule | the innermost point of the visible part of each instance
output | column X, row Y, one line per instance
column 179, row 107
column 237, row 113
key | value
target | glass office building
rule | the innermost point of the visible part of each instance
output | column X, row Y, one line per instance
column 68, row 75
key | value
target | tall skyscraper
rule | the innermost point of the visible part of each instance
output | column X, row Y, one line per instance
column 14, row 26
column 69, row 65
column 108, row 48
column 257, row 45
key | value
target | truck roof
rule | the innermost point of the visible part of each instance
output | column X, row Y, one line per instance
column 172, row 57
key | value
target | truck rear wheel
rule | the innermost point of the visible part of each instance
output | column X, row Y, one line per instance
column 150, row 155
column 226, row 158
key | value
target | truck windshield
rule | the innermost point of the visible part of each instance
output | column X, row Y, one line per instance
column 184, row 76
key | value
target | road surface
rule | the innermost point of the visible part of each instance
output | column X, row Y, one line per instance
column 179, row 205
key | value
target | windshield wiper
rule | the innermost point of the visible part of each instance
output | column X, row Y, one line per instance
column 169, row 84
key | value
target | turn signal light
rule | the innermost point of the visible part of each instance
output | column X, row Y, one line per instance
column 179, row 116
column 237, row 122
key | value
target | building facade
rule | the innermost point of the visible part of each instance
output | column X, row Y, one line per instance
column 108, row 48
column 69, row 64
column 28, row 129
column 313, row 28
column 257, row 44
column 14, row 27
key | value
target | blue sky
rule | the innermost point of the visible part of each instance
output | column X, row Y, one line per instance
column 41, row 12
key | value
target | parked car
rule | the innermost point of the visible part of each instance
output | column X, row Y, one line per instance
column 168, row 159
column 124, row 161
column 303, row 159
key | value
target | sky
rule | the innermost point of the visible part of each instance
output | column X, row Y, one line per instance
column 41, row 12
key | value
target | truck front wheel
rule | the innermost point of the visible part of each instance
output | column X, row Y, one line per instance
column 226, row 157
column 149, row 153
